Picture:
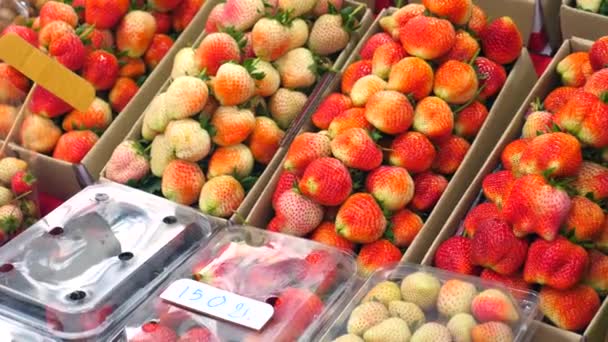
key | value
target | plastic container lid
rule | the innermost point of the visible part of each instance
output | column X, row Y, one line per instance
column 525, row 302
column 13, row 332
column 301, row 279
column 87, row 264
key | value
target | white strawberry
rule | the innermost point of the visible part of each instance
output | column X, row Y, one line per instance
column 297, row 8
column 186, row 96
column 285, row 105
column 270, row 38
column 298, row 33
column 331, row 32
column 297, row 68
column 184, row 63
column 242, row 14
column 156, row 116
column 189, row 140
column 161, row 154
column 271, row 81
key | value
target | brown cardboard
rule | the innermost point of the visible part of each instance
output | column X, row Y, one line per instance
column 519, row 82
column 551, row 22
column 548, row 81
column 582, row 24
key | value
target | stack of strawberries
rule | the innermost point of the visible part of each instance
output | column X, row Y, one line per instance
column 543, row 224
column 400, row 128
column 113, row 44
column 231, row 100
column 18, row 210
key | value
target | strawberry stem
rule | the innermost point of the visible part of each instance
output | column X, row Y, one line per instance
column 473, row 99
column 474, row 57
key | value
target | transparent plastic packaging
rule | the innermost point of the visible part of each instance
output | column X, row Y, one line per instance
column 13, row 332
column 303, row 280
column 81, row 269
column 525, row 302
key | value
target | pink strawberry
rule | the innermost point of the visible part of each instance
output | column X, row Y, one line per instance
column 301, row 215
column 287, row 181
column 242, row 14
column 127, row 163
column 537, row 123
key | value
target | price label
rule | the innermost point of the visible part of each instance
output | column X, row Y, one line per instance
column 215, row 302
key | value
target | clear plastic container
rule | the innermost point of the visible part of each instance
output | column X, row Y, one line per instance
column 13, row 332
column 525, row 302
column 302, row 279
column 82, row 268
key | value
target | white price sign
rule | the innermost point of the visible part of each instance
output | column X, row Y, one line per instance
column 218, row 303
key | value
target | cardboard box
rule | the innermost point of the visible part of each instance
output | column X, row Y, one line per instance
column 519, row 82
column 551, row 22
column 548, row 81
column 578, row 23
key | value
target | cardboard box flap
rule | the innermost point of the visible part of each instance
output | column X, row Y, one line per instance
column 578, row 23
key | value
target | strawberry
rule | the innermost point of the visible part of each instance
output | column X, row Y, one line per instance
column 135, row 32
column 492, row 332
column 451, row 152
column 73, row 146
column 298, row 33
column 11, row 219
column 597, row 84
column 392, row 23
column 558, row 98
column 455, row 297
column 326, row 233
column 301, row 215
column 322, row 270
column 492, row 77
column 163, row 22
column 122, row 92
column 598, row 54
column 389, row 112
column 323, row 6
column 330, row 33
column 287, row 181
column 501, row 41
column 185, row 97
column 553, row 154
column 537, row 123
column 455, row 82
column 428, row 189
column 184, row 13
column 232, row 125
column 105, row 14
column 326, row 181
column 97, row 117
column 360, row 219
column 497, row 186
column 470, row 119
column 160, row 45
column 163, row 5
column 38, row 133
column 14, row 86
column 411, row 75
column 296, row 8
column 586, row 117
column 405, row 226
column 412, row 151
column 214, row 50
column 571, row 309
column 478, row 21
column 558, row 263
column 513, row 281
column 9, row 166
column 28, row 34
column 153, row 331
column 477, row 216
column 464, row 50
column 182, row 182
column 454, row 254
column 265, row 139
column 101, row 69
column 188, row 139
column 69, row 51
column 52, row 31
column 456, row 11
column 601, row 243
column 596, row 275
column 433, row 118
column 592, row 180
column 373, row 43
column 22, row 182
column 242, row 14
column 131, row 67
column 271, row 81
column 197, row 334
column 391, row 186
column 100, row 40
column 353, row 73
column 333, row 105
column 6, row 196
column 512, row 153
column 494, row 246
column 233, row 85
column 55, row 10
column 585, row 219
column 297, row 68
column 235, row 160
column 214, row 19
column 155, row 119
column 221, row 196
column 376, row 255
column 161, row 154
column 356, row 149
column 575, row 69
column 305, row 148
column 385, row 57
column 350, row 118
column 8, row 114
column 270, row 39
column 494, row 305
column 285, row 106
column 427, row 37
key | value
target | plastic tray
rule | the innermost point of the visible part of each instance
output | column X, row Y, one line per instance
column 84, row 266
column 261, row 265
column 527, row 301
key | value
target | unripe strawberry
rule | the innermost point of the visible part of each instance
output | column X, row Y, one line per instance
column 235, row 160
column 135, row 32
column 296, row 8
column 161, row 154
column 127, row 163
column 190, row 141
column 182, row 182
column 185, row 97
column 285, row 105
column 38, row 133
column 6, row 196
column 322, row 6
column 156, row 117
column 9, row 166
column 455, row 297
column 422, row 289
column 185, row 63
column 11, row 219
column 297, row 69
column 221, row 196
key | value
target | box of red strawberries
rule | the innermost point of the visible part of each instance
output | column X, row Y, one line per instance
column 212, row 136
column 119, row 46
column 379, row 163
column 535, row 216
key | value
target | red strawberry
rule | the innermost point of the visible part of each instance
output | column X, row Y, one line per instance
column 592, row 180
column 377, row 254
column 364, row 88
column 575, row 69
column 105, row 14
column 455, row 82
column 322, row 271
column 586, row 117
column 478, row 215
column 464, row 48
column 97, row 117
column 457, row 11
column 374, row 42
column 153, row 331
column 301, row 215
column 333, row 105
column 22, row 182
column 389, row 111
column 492, row 77
column 163, row 22
column 356, row 149
column 598, row 54
column 571, row 309
column 553, row 154
column 537, row 123
column 433, row 118
column 428, row 189
column 160, row 45
column 558, row 263
column 411, row 75
column 131, row 67
column 392, row 23
column 385, row 57
column 184, row 13
column 287, row 181
column 478, row 21
column 514, row 281
column 24, row 32
column 534, row 206
column 585, row 220
column 326, row 181
column 121, row 94
column 163, row 5
column 305, row 148
column 350, row 118
column 14, row 86
column 216, row 49
column 497, row 186
column 135, row 32
column 597, row 84
column 100, row 40
column 101, row 69
column 391, row 186
column 326, row 233
column 427, row 37
column 55, row 10
column 597, row 274
column 198, row 334
column 512, row 153
column 353, row 73
column 451, row 153
column 360, row 219
column 558, row 98
column 494, row 246
column 412, row 151
column 405, row 226
column 501, row 41
column 469, row 120
column 454, row 254
column 46, row 104
column 73, row 146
